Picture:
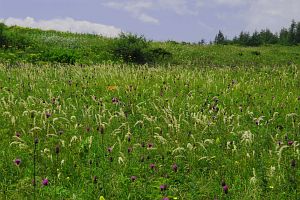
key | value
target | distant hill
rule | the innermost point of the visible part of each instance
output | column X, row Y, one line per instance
column 38, row 47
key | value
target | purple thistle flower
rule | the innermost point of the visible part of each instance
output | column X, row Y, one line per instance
column 129, row 150
column 57, row 149
column 18, row 134
column 115, row 100
column 166, row 198
column 150, row 145
column 45, row 182
column 133, row 178
column 290, row 143
column 163, row 187
column 48, row 114
column 175, row 167
column 225, row 189
column 17, row 161
column 293, row 163
column 152, row 166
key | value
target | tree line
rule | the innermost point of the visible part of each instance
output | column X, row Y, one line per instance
column 286, row 36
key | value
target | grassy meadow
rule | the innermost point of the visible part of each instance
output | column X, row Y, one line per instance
column 117, row 131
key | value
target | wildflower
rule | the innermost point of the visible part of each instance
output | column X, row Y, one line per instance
column 133, row 178
column 48, row 114
column 150, row 145
column 109, row 149
column 175, row 167
column 45, row 182
column 225, row 189
column 57, row 149
column 17, row 161
column 163, row 187
column 18, row 134
column 293, row 163
column 152, row 166
column 166, row 198
column 290, row 142
column 129, row 150
column 115, row 100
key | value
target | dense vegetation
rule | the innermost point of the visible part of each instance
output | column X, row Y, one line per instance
column 24, row 45
column 290, row 36
column 126, row 132
column 88, row 117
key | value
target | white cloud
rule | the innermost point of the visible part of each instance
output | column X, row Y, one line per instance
column 140, row 8
column 273, row 14
column 135, row 8
column 66, row 24
column 148, row 19
column 180, row 7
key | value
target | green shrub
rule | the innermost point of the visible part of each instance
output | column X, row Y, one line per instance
column 59, row 56
column 136, row 49
column 3, row 37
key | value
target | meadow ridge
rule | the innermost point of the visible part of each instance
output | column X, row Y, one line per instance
column 122, row 131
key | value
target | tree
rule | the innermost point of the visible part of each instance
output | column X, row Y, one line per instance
column 292, row 33
column 283, row 36
column 3, row 38
column 219, row 39
column 255, row 39
column 297, row 36
column 267, row 37
column 244, row 38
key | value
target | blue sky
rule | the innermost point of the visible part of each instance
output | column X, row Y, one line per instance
column 181, row 20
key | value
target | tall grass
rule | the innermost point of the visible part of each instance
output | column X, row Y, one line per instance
column 134, row 132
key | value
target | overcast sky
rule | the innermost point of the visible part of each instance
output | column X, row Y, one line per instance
column 181, row 20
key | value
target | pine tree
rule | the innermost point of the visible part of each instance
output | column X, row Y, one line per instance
column 284, row 36
column 219, row 39
column 292, row 33
column 297, row 36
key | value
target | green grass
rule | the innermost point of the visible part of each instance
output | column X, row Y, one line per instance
column 214, row 123
column 42, row 47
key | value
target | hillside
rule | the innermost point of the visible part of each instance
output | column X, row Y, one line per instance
column 36, row 46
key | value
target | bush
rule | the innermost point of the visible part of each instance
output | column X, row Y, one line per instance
column 3, row 37
column 59, row 56
column 12, row 38
column 136, row 49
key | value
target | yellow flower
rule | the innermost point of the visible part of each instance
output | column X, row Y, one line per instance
column 101, row 198
column 112, row 87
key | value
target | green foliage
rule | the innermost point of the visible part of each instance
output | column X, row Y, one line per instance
column 3, row 37
column 136, row 49
column 220, row 39
column 131, row 48
column 237, row 124
column 289, row 36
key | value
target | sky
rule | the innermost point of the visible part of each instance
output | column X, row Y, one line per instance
column 180, row 20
